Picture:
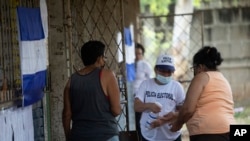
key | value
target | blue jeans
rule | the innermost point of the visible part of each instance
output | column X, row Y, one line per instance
column 114, row 138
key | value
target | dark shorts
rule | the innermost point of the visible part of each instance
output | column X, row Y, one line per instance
column 210, row 137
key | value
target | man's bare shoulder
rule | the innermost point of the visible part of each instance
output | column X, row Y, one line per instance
column 108, row 72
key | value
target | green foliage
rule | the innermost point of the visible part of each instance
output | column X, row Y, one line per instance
column 161, row 7
column 197, row 3
column 158, row 41
column 156, row 7
column 244, row 116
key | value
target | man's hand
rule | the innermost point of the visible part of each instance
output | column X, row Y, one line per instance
column 155, row 108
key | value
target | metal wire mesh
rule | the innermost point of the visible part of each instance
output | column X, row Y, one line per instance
column 10, row 67
column 9, row 50
column 100, row 20
column 215, row 4
column 178, row 35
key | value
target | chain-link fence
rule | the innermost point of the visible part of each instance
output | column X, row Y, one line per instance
column 177, row 35
column 100, row 20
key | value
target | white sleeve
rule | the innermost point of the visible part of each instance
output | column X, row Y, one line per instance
column 141, row 91
column 148, row 70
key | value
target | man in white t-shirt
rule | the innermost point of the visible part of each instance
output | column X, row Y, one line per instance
column 166, row 91
column 143, row 71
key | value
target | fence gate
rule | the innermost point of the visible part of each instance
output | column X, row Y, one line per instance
column 99, row 20
column 179, row 35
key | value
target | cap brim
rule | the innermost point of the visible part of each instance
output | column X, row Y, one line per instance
column 166, row 67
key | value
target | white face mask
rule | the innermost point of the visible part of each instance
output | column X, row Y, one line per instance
column 163, row 79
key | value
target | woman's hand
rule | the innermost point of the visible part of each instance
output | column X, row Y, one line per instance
column 168, row 118
column 175, row 126
column 156, row 123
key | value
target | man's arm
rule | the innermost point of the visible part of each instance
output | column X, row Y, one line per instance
column 113, row 92
column 140, row 106
column 66, row 114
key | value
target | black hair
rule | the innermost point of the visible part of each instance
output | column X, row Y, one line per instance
column 208, row 56
column 140, row 46
column 90, row 51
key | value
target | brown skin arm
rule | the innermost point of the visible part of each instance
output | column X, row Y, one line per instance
column 194, row 91
column 66, row 114
column 140, row 106
column 167, row 118
column 111, row 89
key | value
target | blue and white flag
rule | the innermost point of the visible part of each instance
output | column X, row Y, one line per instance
column 33, row 53
column 130, row 53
